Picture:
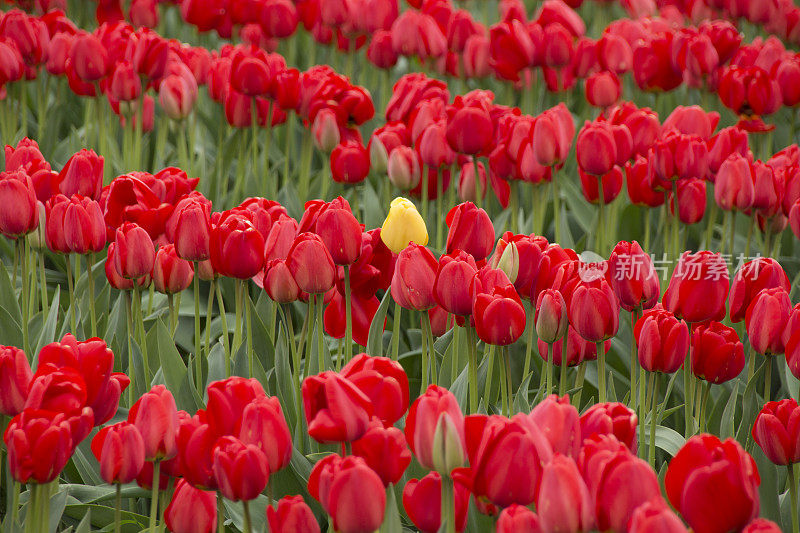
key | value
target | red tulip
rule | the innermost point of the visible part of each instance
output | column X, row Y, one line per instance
column 59, row 389
column 611, row 418
column 511, row 50
column 762, row 525
column 749, row 90
column 662, row 341
column 21, row 216
column 349, row 162
column 191, row 228
column 559, row 421
column 264, row 425
column 611, row 183
column 171, row 274
column 341, row 233
column 766, row 319
column 498, row 445
column 726, row 142
column 177, row 96
column 385, row 451
column 15, row 378
column 633, row 278
column 470, row 230
column 596, row 148
column 191, row 510
column 578, row 349
column 156, row 418
column 114, row 277
column 717, row 354
column 135, row 253
column 655, row 517
column 594, row 310
column 335, row 409
column 603, row 89
column 414, row 277
column 89, row 57
column 698, row 287
column 499, row 315
column 240, row 469
column 39, row 445
column 279, row 283
column 120, row 451
column 311, row 264
column 552, row 135
column 237, row 247
column 518, row 519
column 422, row 501
column 551, row 316
column 638, row 184
column 227, row 400
column 564, row 503
column 196, row 442
column 469, row 125
column 713, row 484
column 82, row 174
column 435, row 430
column 292, row 515
column 383, row 381
column 776, row 431
column 452, row 280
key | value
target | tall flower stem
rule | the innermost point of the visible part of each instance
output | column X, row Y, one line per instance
column 478, row 188
column 688, row 389
column 296, row 375
column 509, row 385
column 209, row 316
column 23, row 252
column 473, row 369
column 424, row 366
column 237, row 331
column 348, row 339
column 198, row 364
column 431, row 346
column 268, row 185
column 634, row 359
column 131, row 373
column 793, row 498
column 487, row 386
column 676, row 221
column 90, row 278
column 562, row 383
column 579, row 384
column 448, row 504
column 220, row 513
column 225, row 340
column 556, row 205
column 601, row 372
column 398, row 311
column 320, row 332
column 600, row 238
column 154, row 496
column 117, row 509
column 43, row 284
column 528, row 343
column 654, row 381
column 248, row 319
column 767, row 378
column 248, row 527
column 137, row 293
column 549, row 379
column 642, row 408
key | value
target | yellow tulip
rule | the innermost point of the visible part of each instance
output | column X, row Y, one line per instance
column 403, row 225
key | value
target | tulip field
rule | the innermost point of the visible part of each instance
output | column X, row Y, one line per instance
column 362, row 266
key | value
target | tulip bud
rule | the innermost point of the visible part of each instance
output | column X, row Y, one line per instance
column 325, row 131
column 39, row 445
column 518, row 519
column 341, row 233
column 292, row 515
column 15, row 377
column 311, row 264
column 777, row 431
column 240, row 469
column 403, row 225
column 766, row 320
column 413, row 278
column 403, row 168
column 471, row 230
column 385, row 451
column 655, row 517
column 156, row 417
column 551, row 316
column 448, row 449
column 335, row 409
column 422, row 501
column 191, row 510
column 20, row 216
column 507, row 260
column 435, row 430
column 349, row 162
column 120, row 451
column 662, row 340
column 135, row 253
column 564, row 503
column 171, row 274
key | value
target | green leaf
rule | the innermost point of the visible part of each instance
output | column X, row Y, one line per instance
column 391, row 518
column 8, row 297
column 768, row 490
column 521, row 404
column 48, row 333
column 667, row 439
column 375, row 338
column 58, row 502
column 726, row 427
column 102, row 515
column 173, row 368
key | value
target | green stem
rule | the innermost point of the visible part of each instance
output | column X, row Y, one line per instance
column 237, row 329
column 562, row 383
column 549, row 381
column 248, row 528
column 220, row 513
column 688, row 389
column 478, row 188
column 320, row 332
column 90, row 274
column 154, row 495
column 225, row 340
column 473, row 369
column 676, row 221
column 424, row 193
column 654, row 381
column 32, row 514
column 269, row 182
column 348, row 339
column 557, row 204
column 634, row 360
column 198, row 364
column 509, row 386
column 396, row 330
column 43, row 285
column 579, row 384
column 209, row 316
column 171, row 307
column 448, row 504
column 131, row 373
column 767, row 378
column 142, row 338
column 117, row 509
column 529, row 343
column 431, row 346
column 642, row 408
column 732, row 230
column 704, row 405
column 487, row 386
column 423, row 371
column 249, row 324
column 25, row 290
column 793, row 498
column 601, row 372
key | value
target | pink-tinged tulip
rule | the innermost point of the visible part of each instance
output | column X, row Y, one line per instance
column 383, row 381
column 177, row 96
column 655, row 517
column 470, row 230
column 752, row 278
column 777, row 431
column 596, row 148
column 499, row 315
column 403, row 167
column 21, row 215
column 564, row 503
column 171, row 274
column 83, row 227
column 611, row 418
column 264, row 425
column 39, row 445
column 191, row 510
column 633, row 278
column 560, row 423
column 325, row 130
column 692, row 120
column 552, row 135
column 311, row 264
column 156, row 418
column 518, row 519
column 713, row 484
column 662, row 341
column 135, row 253
column 89, row 57
column 115, row 278
column 385, row 451
column 120, row 451
column 125, row 86
column 60, row 389
column 603, row 89
column 335, row 409
column 240, row 469
column 497, row 445
column 594, row 310
column 450, row 289
column 734, row 183
column 721, row 146
column 227, row 400
column 292, row 515
column 551, row 316
column 414, row 277
column 422, row 501
column 15, row 378
column 766, row 319
column 698, row 287
column 279, row 283
column 83, row 174
column 717, row 353
column 762, row 525
column 435, row 430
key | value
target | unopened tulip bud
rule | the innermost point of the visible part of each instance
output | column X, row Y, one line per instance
column 403, row 168
column 448, row 450
column 378, row 156
column 325, row 130
column 508, row 261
